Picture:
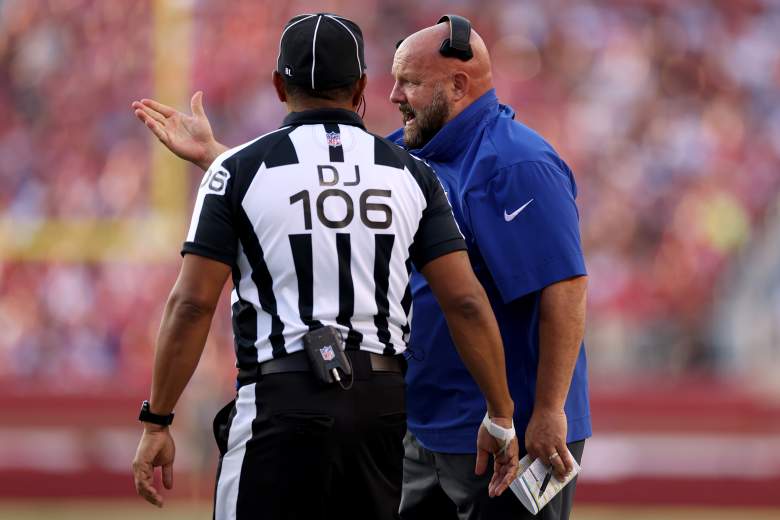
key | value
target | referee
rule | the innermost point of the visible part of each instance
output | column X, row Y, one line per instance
column 319, row 224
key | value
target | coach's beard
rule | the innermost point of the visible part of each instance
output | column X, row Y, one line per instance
column 420, row 126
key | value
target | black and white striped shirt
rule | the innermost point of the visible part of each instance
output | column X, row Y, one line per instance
column 321, row 222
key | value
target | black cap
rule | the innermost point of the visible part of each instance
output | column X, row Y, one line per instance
column 321, row 51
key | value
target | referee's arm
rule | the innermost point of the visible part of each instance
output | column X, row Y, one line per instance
column 180, row 341
column 476, row 336
column 184, row 328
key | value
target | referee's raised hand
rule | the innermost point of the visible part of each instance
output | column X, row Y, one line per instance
column 156, row 448
column 188, row 136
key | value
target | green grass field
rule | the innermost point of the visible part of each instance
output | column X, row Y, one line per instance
column 122, row 510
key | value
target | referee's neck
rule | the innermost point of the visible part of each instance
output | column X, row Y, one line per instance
column 299, row 105
column 346, row 98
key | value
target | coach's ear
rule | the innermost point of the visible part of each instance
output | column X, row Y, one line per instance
column 278, row 82
column 460, row 85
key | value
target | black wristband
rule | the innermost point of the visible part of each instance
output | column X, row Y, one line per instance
column 147, row 416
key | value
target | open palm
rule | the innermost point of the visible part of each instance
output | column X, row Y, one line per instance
column 188, row 136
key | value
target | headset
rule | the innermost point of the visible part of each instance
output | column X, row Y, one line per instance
column 457, row 45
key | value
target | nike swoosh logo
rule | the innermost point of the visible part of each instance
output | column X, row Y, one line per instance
column 509, row 217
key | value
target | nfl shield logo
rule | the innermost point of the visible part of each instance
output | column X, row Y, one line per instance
column 334, row 139
column 327, row 353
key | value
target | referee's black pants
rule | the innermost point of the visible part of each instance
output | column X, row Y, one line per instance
column 292, row 448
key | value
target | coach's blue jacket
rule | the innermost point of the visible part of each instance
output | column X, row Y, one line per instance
column 513, row 198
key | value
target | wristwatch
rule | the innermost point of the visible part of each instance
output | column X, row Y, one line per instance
column 147, row 416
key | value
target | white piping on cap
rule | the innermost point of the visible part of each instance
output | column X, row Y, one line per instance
column 314, row 50
column 285, row 31
column 357, row 47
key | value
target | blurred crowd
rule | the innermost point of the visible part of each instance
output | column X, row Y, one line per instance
column 667, row 111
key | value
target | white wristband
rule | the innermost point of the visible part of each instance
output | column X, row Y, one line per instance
column 505, row 435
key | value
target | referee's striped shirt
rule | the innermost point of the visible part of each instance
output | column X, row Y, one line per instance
column 321, row 222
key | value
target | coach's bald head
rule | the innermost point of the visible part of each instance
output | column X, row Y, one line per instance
column 431, row 89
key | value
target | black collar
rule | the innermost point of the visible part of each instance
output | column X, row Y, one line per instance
column 319, row 116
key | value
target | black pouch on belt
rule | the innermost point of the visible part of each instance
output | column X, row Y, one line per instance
column 325, row 349
column 221, row 426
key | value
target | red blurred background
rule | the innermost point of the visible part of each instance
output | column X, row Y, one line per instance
column 667, row 111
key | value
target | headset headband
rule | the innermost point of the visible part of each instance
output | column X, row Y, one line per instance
column 457, row 45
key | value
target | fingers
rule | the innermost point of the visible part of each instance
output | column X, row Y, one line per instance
column 497, row 484
column 482, row 462
column 167, row 476
column 507, row 480
column 504, row 472
column 143, row 477
column 559, row 467
column 568, row 459
column 156, row 128
column 148, row 112
column 165, row 110
column 550, row 449
column 196, row 104
column 493, row 486
column 505, row 469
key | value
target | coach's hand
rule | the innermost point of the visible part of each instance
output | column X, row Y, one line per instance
column 505, row 461
column 188, row 136
column 155, row 449
column 545, row 439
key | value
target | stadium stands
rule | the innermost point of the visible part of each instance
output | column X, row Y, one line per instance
column 668, row 112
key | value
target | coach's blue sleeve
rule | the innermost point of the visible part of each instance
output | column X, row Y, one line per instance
column 526, row 226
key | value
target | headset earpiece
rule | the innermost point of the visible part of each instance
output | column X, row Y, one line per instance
column 457, row 45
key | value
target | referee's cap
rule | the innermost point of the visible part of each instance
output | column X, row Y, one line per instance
column 321, row 51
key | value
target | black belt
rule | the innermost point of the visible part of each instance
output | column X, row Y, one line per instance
column 298, row 362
